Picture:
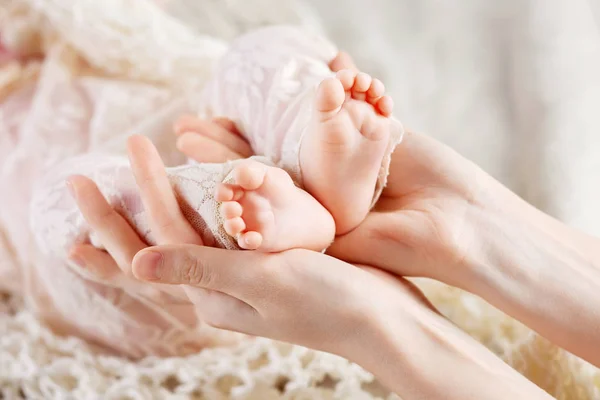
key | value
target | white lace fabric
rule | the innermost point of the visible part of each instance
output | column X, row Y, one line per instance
column 137, row 56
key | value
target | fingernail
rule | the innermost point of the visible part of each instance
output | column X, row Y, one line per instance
column 71, row 188
column 148, row 265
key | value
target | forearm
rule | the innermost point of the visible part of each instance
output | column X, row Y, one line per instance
column 538, row 270
column 426, row 357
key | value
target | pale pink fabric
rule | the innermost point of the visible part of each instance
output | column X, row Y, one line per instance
column 41, row 125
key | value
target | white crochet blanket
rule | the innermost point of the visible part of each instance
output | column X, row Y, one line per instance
column 511, row 77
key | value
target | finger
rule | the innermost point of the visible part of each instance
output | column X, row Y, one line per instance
column 232, row 272
column 166, row 220
column 205, row 150
column 223, row 311
column 220, row 130
column 184, row 124
column 115, row 233
column 188, row 123
column 227, row 124
column 95, row 261
column 102, row 266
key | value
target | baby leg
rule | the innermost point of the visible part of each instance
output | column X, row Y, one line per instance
column 266, row 211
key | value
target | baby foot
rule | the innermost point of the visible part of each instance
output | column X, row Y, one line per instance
column 342, row 155
column 267, row 212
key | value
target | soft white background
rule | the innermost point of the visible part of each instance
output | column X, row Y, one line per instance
column 514, row 85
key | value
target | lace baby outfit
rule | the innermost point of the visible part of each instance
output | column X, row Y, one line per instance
column 266, row 84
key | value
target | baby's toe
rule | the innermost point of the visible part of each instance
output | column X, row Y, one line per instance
column 228, row 192
column 347, row 77
column 375, row 92
column 250, row 240
column 231, row 209
column 234, row 226
column 362, row 83
column 250, row 175
column 330, row 97
column 385, row 105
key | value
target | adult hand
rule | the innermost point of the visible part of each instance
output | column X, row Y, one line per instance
column 421, row 225
column 442, row 217
column 312, row 299
column 423, row 210
column 377, row 320
column 297, row 296
column 204, row 141
column 118, row 238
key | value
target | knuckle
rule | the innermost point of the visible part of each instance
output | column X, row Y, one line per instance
column 196, row 273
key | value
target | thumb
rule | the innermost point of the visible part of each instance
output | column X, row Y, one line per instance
column 228, row 271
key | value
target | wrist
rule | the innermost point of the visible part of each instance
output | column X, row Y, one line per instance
column 497, row 226
column 420, row 355
column 537, row 270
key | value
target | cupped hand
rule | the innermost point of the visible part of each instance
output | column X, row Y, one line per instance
column 118, row 238
column 297, row 296
column 377, row 320
column 421, row 225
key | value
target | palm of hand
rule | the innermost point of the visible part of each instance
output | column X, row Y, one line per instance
column 420, row 222
column 421, row 218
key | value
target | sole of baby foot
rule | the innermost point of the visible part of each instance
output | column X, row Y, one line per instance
column 342, row 154
column 265, row 211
